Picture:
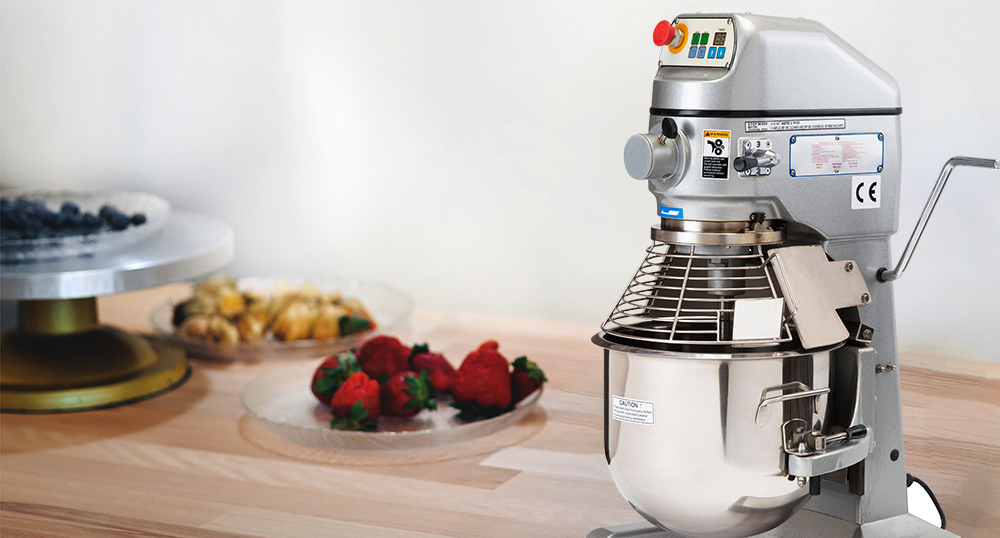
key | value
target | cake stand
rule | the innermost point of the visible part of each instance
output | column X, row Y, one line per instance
column 60, row 358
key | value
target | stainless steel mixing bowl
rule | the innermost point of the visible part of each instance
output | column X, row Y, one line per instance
column 706, row 463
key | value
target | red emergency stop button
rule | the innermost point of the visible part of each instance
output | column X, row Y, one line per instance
column 663, row 33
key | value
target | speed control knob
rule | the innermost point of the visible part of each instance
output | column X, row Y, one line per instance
column 756, row 159
column 744, row 163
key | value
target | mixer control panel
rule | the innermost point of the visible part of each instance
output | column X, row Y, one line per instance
column 700, row 42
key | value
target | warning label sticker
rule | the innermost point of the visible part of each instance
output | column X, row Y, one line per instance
column 715, row 162
column 634, row 411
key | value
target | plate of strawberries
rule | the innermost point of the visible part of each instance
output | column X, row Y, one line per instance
column 386, row 395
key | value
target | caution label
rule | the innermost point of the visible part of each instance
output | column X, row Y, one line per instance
column 715, row 159
column 634, row 411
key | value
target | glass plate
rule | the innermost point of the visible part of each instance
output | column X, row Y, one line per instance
column 387, row 305
column 281, row 402
column 155, row 208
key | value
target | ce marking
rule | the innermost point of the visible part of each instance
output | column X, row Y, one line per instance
column 871, row 192
column 866, row 192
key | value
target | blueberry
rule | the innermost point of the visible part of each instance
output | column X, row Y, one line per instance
column 22, row 218
column 91, row 221
column 7, row 217
column 69, row 209
column 119, row 221
column 107, row 210
column 139, row 218
column 52, row 220
column 75, row 221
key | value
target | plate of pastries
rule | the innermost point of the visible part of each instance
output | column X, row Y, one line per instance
column 264, row 318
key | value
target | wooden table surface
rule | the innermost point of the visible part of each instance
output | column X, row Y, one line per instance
column 191, row 463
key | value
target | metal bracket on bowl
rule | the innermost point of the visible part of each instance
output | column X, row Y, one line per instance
column 810, row 453
column 805, row 392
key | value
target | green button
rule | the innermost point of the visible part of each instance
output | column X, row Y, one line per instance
column 704, row 38
column 695, row 38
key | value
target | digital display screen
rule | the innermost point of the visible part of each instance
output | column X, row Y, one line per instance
column 720, row 39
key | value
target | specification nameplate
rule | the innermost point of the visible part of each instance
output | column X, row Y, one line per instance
column 831, row 155
column 634, row 411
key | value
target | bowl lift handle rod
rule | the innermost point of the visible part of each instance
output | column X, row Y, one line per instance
column 885, row 275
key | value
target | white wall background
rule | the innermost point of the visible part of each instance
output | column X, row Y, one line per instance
column 468, row 152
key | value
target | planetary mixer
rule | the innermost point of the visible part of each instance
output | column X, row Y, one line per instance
column 750, row 364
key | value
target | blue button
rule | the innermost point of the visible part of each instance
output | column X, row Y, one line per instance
column 721, row 53
column 711, row 53
column 693, row 52
column 701, row 52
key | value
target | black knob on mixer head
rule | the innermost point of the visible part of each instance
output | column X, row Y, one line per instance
column 669, row 127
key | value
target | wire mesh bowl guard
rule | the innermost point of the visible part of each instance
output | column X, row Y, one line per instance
column 684, row 296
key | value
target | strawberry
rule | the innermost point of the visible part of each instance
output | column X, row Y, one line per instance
column 355, row 322
column 357, row 404
column 525, row 379
column 418, row 349
column 406, row 393
column 439, row 370
column 383, row 356
column 481, row 387
column 331, row 374
column 492, row 344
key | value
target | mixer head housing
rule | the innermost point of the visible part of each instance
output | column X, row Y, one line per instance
column 786, row 86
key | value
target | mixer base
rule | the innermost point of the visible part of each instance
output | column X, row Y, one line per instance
column 805, row 523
